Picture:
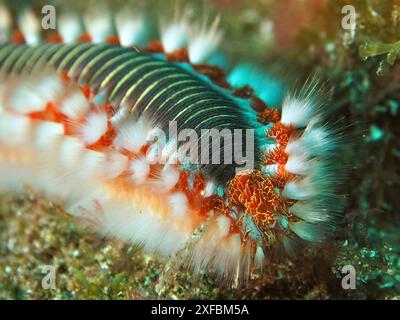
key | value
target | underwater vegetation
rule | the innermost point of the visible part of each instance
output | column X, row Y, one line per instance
column 291, row 40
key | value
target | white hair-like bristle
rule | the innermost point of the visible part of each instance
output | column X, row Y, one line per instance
column 203, row 41
column 299, row 163
column 316, row 140
column 26, row 100
column 95, row 127
column 116, row 164
column 139, row 169
column 316, row 184
column 223, row 255
column 224, row 225
column 259, row 257
column 30, row 27
column 297, row 112
column 5, row 23
column 92, row 164
column 307, row 231
column 34, row 92
column 174, row 34
column 178, row 205
column 70, row 152
column 131, row 27
column 14, row 129
column 167, row 180
column 128, row 221
column 69, row 27
column 98, row 23
column 310, row 211
column 75, row 105
column 47, row 134
column 132, row 135
column 304, row 107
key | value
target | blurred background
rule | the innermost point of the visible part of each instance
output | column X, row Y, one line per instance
column 290, row 39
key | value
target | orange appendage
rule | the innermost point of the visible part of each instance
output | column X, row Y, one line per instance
column 155, row 46
column 64, row 76
column 180, row 55
column 105, row 140
column 216, row 74
column 281, row 133
column 86, row 90
column 199, row 183
column 54, row 37
column 276, row 156
column 50, row 113
column 269, row 115
column 244, row 92
column 86, row 37
column 113, row 39
column 256, row 195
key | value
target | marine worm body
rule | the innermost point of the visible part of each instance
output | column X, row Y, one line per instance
column 96, row 121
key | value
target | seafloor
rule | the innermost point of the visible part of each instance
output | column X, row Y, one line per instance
column 291, row 39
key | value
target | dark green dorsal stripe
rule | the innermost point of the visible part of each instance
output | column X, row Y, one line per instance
column 146, row 85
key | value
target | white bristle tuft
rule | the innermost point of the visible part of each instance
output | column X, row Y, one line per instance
column 297, row 112
column 116, row 164
column 47, row 134
column 69, row 26
column 131, row 28
column 14, row 130
column 259, row 257
column 132, row 136
column 299, row 164
column 178, row 205
column 48, row 85
column 92, row 164
column 5, row 23
column 298, row 190
column 204, row 41
column 98, row 23
column 304, row 106
column 315, row 141
column 25, row 100
column 34, row 92
column 309, row 212
column 71, row 150
column 74, row 105
column 30, row 26
column 168, row 179
column 230, row 257
column 140, row 169
column 174, row 34
column 125, row 220
column 225, row 255
column 317, row 183
column 224, row 225
column 95, row 127
column 307, row 231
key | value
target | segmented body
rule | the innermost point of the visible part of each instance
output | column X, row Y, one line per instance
column 75, row 121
